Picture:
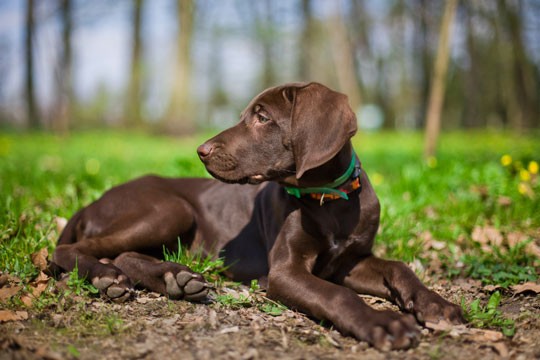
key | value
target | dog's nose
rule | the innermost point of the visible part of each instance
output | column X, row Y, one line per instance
column 204, row 150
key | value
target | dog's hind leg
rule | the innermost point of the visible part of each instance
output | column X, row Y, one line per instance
column 141, row 216
column 109, row 279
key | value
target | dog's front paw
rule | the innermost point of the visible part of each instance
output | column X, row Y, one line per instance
column 387, row 330
column 186, row 285
column 428, row 306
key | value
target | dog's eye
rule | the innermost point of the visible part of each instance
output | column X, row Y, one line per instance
column 262, row 119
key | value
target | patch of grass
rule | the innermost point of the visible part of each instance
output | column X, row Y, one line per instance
column 467, row 185
column 44, row 176
column 502, row 268
column 255, row 298
column 79, row 286
column 73, row 351
column 272, row 308
column 114, row 324
column 238, row 301
column 207, row 265
column 488, row 316
column 234, row 302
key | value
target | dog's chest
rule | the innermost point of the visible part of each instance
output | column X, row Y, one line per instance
column 331, row 258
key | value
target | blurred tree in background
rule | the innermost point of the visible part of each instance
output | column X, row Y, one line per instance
column 180, row 65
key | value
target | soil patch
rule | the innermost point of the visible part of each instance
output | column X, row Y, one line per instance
column 154, row 327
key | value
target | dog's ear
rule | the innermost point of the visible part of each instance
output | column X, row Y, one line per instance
column 322, row 123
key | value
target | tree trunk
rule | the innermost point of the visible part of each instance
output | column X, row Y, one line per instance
column 179, row 115
column 523, row 75
column 269, row 43
column 343, row 55
column 438, row 83
column 306, row 42
column 423, row 46
column 32, row 114
column 133, row 110
column 472, row 114
column 65, row 81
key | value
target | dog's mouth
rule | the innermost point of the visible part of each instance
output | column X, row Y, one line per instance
column 254, row 179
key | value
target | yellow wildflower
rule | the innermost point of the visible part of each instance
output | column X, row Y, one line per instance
column 524, row 175
column 506, row 160
column 533, row 167
column 523, row 188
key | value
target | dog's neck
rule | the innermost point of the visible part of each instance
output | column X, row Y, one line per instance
column 326, row 173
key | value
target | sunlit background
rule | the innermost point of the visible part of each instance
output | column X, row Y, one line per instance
column 182, row 65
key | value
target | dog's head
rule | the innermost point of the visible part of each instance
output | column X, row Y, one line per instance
column 284, row 131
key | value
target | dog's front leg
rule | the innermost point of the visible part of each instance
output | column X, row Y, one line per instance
column 290, row 281
column 394, row 281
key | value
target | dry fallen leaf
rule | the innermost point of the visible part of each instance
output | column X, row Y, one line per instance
column 501, row 349
column 442, row 325
column 473, row 334
column 8, row 315
column 526, row 287
column 504, row 201
column 7, row 279
column 515, row 238
column 228, row 330
column 487, row 236
column 39, row 259
column 533, row 249
column 8, row 292
column 36, row 288
column 492, row 288
column 481, row 335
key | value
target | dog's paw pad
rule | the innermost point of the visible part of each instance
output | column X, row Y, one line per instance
column 183, row 277
column 102, row 283
column 196, row 290
column 117, row 289
column 185, row 285
column 174, row 289
column 198, row 296
column 194, row 286
column 391, row 331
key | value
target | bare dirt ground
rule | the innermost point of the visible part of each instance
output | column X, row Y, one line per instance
column 153, row 327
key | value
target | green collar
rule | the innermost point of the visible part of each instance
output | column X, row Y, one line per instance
column 327, row 188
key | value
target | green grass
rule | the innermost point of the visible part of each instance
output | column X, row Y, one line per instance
column 211, row 268
column 44, row 176
column 465, row 187
column 489, row 315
